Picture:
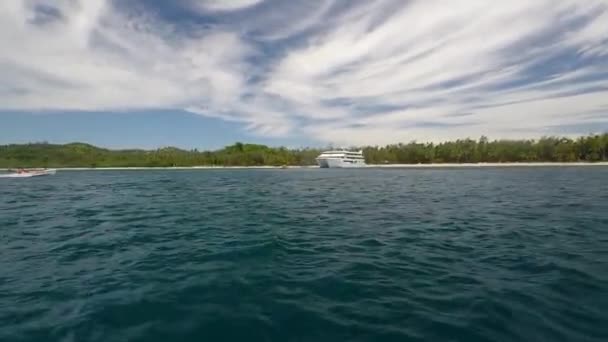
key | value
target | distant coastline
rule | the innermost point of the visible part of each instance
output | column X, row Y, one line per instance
column 556, row 151
column 371, row 166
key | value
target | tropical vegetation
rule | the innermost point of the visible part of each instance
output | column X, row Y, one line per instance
column 592, row 148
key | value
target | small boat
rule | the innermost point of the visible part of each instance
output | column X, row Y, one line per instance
column 23, row 173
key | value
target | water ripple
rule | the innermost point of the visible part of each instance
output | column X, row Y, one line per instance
column 306, row 255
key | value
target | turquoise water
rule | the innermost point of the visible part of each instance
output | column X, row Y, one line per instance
column 306, row 255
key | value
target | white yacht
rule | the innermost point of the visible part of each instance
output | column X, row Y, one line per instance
column 341, row 158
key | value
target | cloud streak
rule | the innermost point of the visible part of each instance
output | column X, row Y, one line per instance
column 354, row 72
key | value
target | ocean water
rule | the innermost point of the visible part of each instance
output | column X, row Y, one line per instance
column 517, row 254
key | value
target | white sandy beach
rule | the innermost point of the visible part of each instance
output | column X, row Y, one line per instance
column 474, row 165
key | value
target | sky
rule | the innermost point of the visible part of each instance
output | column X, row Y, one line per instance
column 206, row 73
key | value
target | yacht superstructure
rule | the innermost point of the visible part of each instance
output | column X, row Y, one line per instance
column 341, row 159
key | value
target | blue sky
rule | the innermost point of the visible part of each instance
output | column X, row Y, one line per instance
column 146, row 129
column 206, row 73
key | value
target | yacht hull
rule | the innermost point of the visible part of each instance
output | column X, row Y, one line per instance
column 337, row 163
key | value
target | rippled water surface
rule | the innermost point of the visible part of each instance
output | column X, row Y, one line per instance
column 306, row 255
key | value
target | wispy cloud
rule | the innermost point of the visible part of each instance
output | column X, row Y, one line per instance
column 356, row 72
column 223, row 5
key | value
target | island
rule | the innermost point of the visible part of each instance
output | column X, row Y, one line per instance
column 588, row 149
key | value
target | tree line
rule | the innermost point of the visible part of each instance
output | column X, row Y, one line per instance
column 592, row 148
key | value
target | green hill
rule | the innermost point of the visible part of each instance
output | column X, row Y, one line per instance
column 591, row 148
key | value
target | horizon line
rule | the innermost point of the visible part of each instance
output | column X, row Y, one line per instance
column 489, row 140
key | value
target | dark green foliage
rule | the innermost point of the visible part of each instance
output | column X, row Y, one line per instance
column 548, row 149
column 83, row 155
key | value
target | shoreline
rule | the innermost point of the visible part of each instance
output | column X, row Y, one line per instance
column 369, row 166
column 481, row 165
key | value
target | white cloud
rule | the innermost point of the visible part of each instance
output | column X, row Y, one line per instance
column 372, row 72
column 224, row 5
column 410, row 59
column 98, row 59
